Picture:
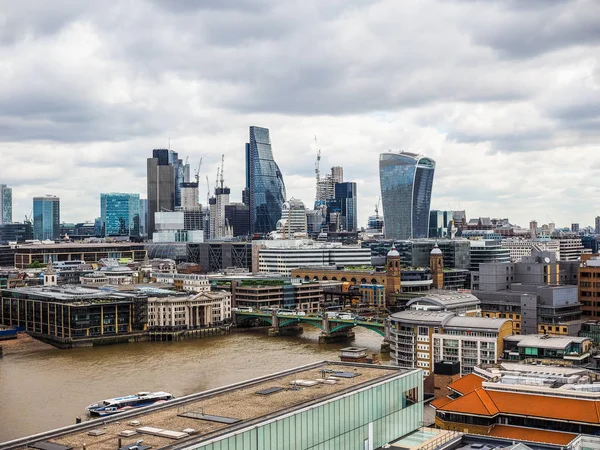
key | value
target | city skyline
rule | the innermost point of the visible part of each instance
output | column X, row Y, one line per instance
column 497, row 102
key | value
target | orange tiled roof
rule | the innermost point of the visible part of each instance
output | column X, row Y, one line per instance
column 489, row 403
column 476, row 402
column 532, row 435
column 439, row 402
column 466, row 384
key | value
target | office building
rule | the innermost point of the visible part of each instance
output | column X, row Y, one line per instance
column 293, row 219
column 574, row 228
column 320, row 406
column 5, row 204
column 326, row 186
column 15, row 232
column 189, row 312
column 571, row 249
column 46, row 218
column 183, row 282
column 218, row 256
column 219, row 228
column 161, row 177
column 237, row 216
column 264, row 182
column 597, row 225
column 486, row 251
column 573, row 350
column 416, row 252
column 24, row 255
column 66, row 316
column 285, row 255
column 419, row 338
column 406, row 181
column 441, row 224
column 523, row 402
column 143, row 217
column 342, row 208
column 524, row 247
column 190, row 196
column 120, row 214
column 276, row 293
column 589, row 287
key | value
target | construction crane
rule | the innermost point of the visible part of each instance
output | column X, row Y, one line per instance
column 197, row 176
column 222, row 169
column 207, row 191
column 217, row 182
column 317, row 173
column 377, row 208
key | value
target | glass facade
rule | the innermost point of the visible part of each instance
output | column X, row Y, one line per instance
column 440, row 224
column 264, row 183
column 406, row 182
column 5, row 204
column 46, row 218
column 346, row 194
column 366, row 418
column 143, row 217
column 120, row 214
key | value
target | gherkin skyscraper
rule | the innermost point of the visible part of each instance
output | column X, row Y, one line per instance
column 406, row 182
column 264, row 183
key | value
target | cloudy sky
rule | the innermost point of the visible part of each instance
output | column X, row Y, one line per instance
column 504, row 95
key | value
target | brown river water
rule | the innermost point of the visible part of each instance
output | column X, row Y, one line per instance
column 48, row 389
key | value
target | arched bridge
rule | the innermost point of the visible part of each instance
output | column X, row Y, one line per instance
column 332, row 328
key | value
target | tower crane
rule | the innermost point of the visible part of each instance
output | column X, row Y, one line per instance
column 207, row 191
column 377, row 208
column 197, row 175
column 222, row 168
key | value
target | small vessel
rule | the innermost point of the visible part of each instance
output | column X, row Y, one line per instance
column 128, row 402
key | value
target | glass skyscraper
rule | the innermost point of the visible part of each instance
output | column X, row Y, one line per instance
column 343, row 204
column 46, row 217
column 264, row 183
column 120, row 214
column 5, row 204
column 406, row 181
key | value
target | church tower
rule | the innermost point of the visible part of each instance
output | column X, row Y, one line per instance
column 436, row 264
column 50, row 275
column 392, row 276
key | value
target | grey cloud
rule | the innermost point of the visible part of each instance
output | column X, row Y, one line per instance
column 527, row 29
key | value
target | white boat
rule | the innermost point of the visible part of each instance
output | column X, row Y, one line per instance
column 128, row 402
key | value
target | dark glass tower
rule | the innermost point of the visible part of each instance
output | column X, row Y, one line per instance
column 406, row 181
column 266, row 190
column 46, row 217
column 161, row 178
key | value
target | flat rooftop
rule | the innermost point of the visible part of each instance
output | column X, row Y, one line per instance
column 74, row 293
column 242, row 405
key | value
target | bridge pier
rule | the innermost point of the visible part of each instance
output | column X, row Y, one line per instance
column 289, row 330
column 347, row 334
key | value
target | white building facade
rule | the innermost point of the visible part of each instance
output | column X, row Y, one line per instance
column 190, row 282
column 194, row 311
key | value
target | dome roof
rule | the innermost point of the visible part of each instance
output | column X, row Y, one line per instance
column 393, row 252
column 436, row 250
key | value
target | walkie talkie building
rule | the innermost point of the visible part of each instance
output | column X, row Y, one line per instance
column 406, row 181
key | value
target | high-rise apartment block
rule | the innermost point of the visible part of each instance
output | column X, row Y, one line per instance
column 46, row 217
column 120, row 214
column 406, row 182
column 5, row 204
column 264, row 182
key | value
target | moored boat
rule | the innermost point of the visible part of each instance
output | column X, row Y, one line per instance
column 128, row 402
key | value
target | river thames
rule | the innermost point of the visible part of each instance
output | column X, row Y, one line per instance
column 48, row 389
